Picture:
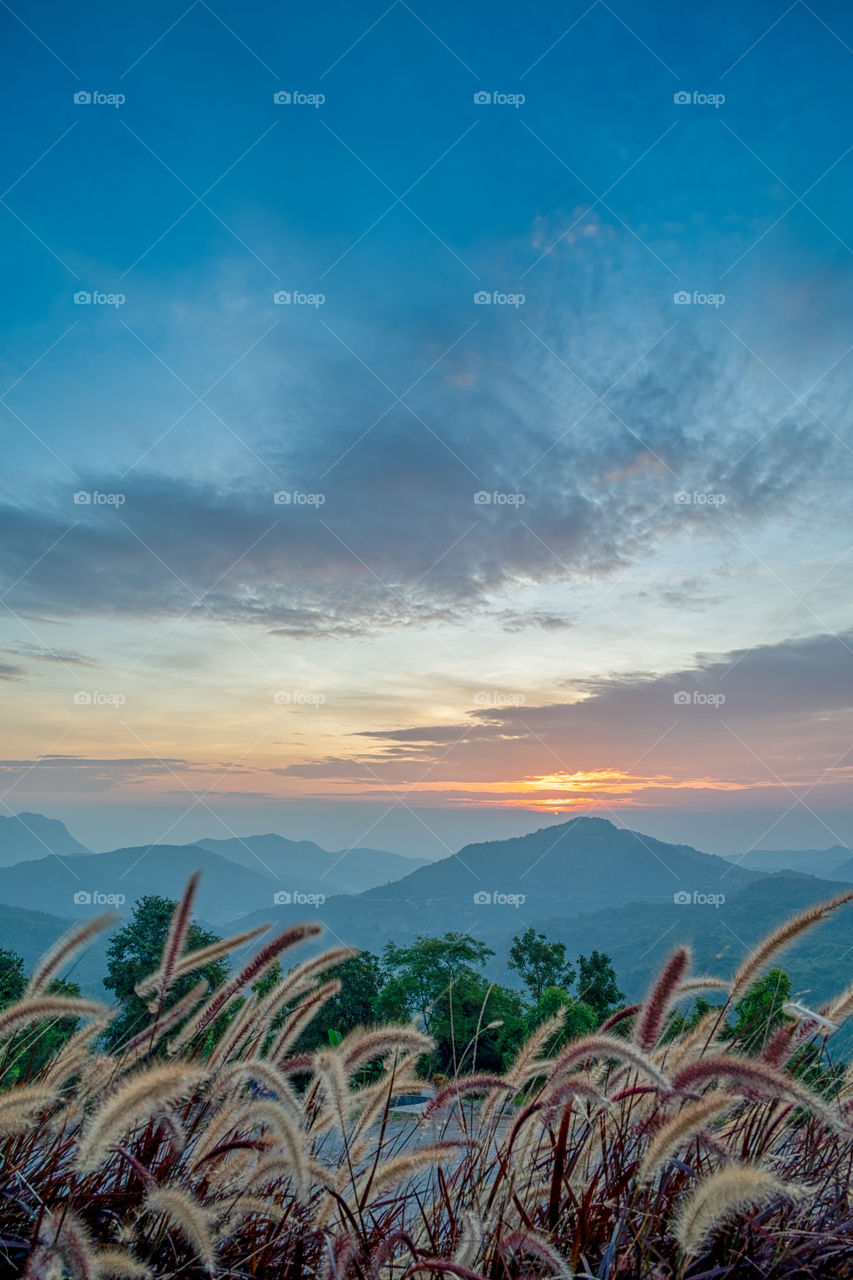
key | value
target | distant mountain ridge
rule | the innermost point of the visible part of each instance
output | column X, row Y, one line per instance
column 30, row 835
column 348, row 871
column 812, row 862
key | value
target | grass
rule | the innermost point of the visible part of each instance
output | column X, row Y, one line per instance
column 208, row 1145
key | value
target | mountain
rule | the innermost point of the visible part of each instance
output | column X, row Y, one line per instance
column 812, row 862
column 639, row 936
column 845, row 870
column 31, row 933
column 30, row 835
column 498, row 887
column 77, row 886
column 310, row 869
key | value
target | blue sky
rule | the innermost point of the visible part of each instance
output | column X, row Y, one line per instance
column 390, row 604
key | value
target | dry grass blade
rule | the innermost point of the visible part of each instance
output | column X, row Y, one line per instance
column 682, row 1128
column 24, row 1012
column 604, row 1046
column 133, row 1102
column 177, row 935
column 62, row 951
column 732, row 1190
column 200, row 958
column 183, row 1212
column 766, row 950
column 652, row 1018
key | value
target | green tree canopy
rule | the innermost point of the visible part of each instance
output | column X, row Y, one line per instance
column 418, row 975
column 134, row 952
column 597, row 984
column 539, row 963
column 12, row 980
column 759, row 1013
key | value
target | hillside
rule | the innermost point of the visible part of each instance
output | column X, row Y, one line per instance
column 495, row 888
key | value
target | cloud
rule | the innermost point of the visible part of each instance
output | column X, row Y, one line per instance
column 717, row 725
column 579, row 433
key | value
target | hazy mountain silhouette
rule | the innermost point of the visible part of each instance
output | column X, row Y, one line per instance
column 50, row 884
column 582, row 865
column 812, row 862
column 312, row 869
column 31, row 835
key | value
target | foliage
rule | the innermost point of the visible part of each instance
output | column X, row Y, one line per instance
column 597, row 984
column 134, row 951
column 539, row 963
column 12, row 980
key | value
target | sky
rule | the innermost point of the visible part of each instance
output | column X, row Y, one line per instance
column 422, row 423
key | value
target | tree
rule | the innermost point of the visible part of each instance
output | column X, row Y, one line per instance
column 354, row 1005
column 579, row 1018
column 597, row 984
column 759, row 1013
column 539, row 963
column 437, row 982
column 134, row 952
column 12, row 980
column 417, row 976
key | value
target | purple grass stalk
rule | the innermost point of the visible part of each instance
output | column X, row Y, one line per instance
column 660, row 998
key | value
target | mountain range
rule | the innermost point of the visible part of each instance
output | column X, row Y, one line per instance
column 586, row 882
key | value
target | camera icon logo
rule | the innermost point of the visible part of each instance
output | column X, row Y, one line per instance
column 82, row 498
column 681, row 298
column 482, row 298
column 681, row 898
column 281, row 298
column 282, row 498
column 481, row 98
column 282, row 98
column 682, row 698
column 81, row 97
column 282, row 898
column 82, row 897
column 681, row 498
column 482, row 499
column 82, row 698
column 82, row 298
column 681, row 98
column 482, row 898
